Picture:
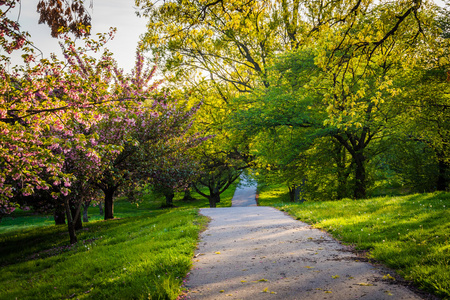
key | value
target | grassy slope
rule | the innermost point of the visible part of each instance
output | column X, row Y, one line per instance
column 143, row 255
column 409, row 234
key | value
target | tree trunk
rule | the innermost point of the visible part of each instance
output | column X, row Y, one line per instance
column 188, row 196
column 70, row 225
column 292, row 193
column 214, row 199
column 443, row 178
column 76, row 219
column 100, row 208
column 85, row 211
column 360, row 177
column 216, row 194
column 169, row 194
column 59, row 215
column 109, row 203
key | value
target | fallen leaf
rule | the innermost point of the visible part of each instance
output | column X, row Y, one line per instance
column 388, row 277
column 328, row 292
column 229, row 294
column 265, row 290
column 308, row 267
column 263, row 279
column 244, row 270
column 273, row 292
column 388, row 293
column 335, row 276
column 319, row 289
column 221, row 291
column 365, row 284
column 217, row 252
column 243, row 281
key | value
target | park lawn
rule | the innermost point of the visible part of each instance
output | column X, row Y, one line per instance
column 145, row 253
column 122, row 209
column 410, row 234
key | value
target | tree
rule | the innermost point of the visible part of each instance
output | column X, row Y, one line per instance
column 353, row 61
column 153, row 151
column 428, row 114
column 219, row 171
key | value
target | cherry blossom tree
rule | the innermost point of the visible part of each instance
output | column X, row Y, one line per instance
column 69, row 127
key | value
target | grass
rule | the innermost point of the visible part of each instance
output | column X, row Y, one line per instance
column 122, row 209
column 143, row 254
column 409, row 233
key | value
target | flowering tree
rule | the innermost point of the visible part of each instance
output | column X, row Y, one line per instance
column 68, row 127
column 157, row 136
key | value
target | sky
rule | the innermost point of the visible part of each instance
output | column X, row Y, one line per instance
column 105, row 14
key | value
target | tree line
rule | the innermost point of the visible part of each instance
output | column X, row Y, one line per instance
column 333, row 98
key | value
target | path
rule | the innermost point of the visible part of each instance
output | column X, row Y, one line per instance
column 245, row 194
column 261, row 253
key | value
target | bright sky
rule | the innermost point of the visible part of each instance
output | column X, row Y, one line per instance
column 105, row 14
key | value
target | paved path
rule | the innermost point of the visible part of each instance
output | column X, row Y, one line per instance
column 245, row 194
column 261, row 253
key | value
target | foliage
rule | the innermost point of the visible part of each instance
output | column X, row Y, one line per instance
column 345, row 83
column 64, row 16
column 216, row 51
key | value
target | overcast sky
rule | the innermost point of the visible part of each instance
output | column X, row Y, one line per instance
column 105, row 14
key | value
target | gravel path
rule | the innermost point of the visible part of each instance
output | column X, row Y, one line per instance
column 261, row 253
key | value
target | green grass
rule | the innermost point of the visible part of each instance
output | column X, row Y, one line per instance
column 143, row 254
column 122, row 209
column 409, row 233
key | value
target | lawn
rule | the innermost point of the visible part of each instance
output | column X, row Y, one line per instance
column 409, row 233
column 143, row 254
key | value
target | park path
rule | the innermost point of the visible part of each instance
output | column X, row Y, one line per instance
column 245, row 194
column 261, row 253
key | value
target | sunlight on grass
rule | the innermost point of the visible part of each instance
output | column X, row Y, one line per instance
column 129, row 258
column 21, row 220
